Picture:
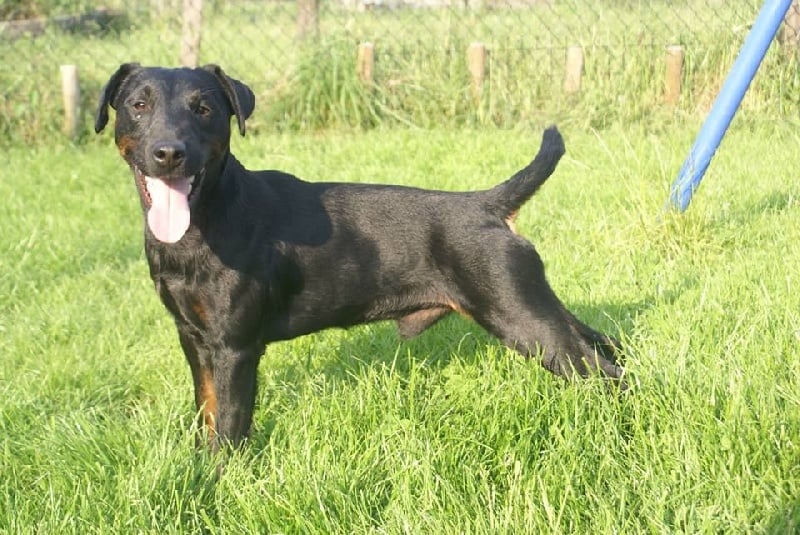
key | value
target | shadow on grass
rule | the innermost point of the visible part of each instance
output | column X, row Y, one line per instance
column 786, row 521
column 776, row 202
column 378, row 346
column 743, row 215
column 369, row 347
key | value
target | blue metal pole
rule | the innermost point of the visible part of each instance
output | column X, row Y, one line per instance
column 727, row 102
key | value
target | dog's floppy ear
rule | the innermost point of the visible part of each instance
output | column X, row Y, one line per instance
column 109, row 94
column 240, row 97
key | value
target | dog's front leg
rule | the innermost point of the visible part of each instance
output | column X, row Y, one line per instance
column 224, row 390
column 205, row 393
column 235, row 374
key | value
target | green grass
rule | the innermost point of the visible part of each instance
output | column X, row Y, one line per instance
column 359, row 432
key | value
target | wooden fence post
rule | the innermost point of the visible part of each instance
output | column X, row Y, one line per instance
column 574, row 70
column 476, row 63
column 307, row 19
column 366, row 62
column 190, row 38
column 674, row 74
column 790, row 32
column 70, row 89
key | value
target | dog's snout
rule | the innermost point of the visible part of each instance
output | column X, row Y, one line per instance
column 169, row 154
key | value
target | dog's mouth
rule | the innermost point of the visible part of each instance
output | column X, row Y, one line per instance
column 167, row 201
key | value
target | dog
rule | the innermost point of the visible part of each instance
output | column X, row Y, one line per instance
column 244, row 258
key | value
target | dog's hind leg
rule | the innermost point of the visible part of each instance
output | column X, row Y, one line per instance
column 513, row 301
column 563, row 346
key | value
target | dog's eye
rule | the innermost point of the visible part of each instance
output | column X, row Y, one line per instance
column 139, row 107
column 202, row 110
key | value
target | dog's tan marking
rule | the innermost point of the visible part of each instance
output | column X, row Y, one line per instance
column 207, row 400
column 413, row 324
column 201, row 311
column 511, row 220
column 456, row 307
column 126, row 146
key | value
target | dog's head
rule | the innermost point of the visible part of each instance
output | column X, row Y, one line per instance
column 173, row 128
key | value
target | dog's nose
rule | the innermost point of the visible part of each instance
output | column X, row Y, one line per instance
column 169, row 154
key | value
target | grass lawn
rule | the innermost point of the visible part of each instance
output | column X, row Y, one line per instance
column 359, row 432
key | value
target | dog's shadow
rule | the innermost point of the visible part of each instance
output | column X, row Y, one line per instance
column 785, row 520
column 363, row 349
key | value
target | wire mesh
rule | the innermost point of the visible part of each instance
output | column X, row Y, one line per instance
column 268, row 42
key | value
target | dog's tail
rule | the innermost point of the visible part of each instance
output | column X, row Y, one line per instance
column 508, row 197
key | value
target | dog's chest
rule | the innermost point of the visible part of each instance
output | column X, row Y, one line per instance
column 193, row 289
column 188, row 300
column 209, row 300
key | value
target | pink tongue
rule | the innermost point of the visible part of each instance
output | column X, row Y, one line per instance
column 168, row 217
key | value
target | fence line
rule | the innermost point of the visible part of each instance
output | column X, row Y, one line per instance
column 532, row 54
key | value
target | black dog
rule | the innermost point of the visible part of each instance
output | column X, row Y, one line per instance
column 242, row 258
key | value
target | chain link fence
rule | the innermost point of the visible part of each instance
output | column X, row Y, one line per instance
column 308, row 63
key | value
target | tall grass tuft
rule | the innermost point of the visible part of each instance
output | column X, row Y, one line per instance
column 324, row 90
